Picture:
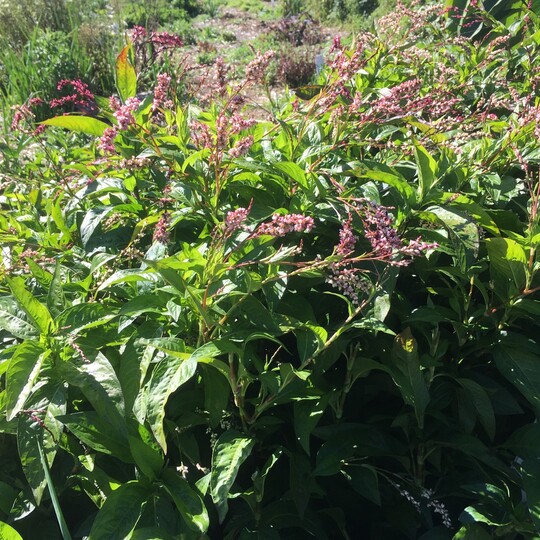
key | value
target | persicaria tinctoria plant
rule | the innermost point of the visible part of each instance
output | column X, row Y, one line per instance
column 221, row 321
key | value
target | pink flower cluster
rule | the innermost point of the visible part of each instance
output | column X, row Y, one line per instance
column 256, row 69
column 124, row 115
column 165, row 40
column 160, row 92
column 347, row 239
column 24, row 112
column 235, row 219
column 80, row 96
column 384, row 239
column 160, row 40
column 106, row 141
column 161, row 232
column 282, row 225
column 242, row 147
column 349, row 282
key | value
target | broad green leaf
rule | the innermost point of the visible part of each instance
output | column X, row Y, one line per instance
column 145, row 451
column 399, row 183
column 508, row 263
column 169, row 374
column 99, row 383
column 293, row 171
column 187, row 501
column 309, row 339
column 151, row 533
column 230, row 451
column 462, row 230
column 35, row 310
column 530, row 471
column 472, row 531
column 407, row 374
column 519, row 364
column 22, row 373
column 306, row 417
column 43, row 430
column 81, row 317
column 259, row 477
column 427, row 170
column 121, row 512
column 8, row 533
column 94, row 431
column 482, row 404
column 14, row 320
column 92, row 221
column 126, row 78
column 55, row 296
column 79, row 124
column 364, row 480
column 217, row 390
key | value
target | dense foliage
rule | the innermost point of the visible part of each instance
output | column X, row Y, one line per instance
column 318, row 320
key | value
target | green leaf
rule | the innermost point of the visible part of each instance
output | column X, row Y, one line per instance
column 309, row 339
column 472, row 531
column 92, row 221
column 187, row 501
column 121, row 512
column 365, row 481
column 230, row 451
column 32, row 434
column 427, row 170
column 519, row 364
column 482, row 405
column 259, row 477
column 171, row 373
column 36, row 311
column 94, row 431
column 306, row 417
column 22, row 373
column 79, row 124
column 508, row 263
column 406, row 372
column 14, row 320
column 293, row 171
column 8, row 533
column 99, row 383
column 217, row 390
column 463, row 233
column 145, row 451
column 55, row 296
column 126, row 78
column 530, row 471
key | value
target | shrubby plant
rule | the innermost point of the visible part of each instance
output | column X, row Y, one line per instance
column 316, row 324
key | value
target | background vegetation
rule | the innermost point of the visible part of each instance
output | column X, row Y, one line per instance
column 309, row 316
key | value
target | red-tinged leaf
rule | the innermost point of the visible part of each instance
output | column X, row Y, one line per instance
column 126, row 78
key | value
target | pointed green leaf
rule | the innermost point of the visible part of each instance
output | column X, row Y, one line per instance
column 14, row 320
column 40, row 429
column 35, row 310
column 427, row 170
column 167, row 377
column 407, row 374
column 230, row 451
column 519, row 364
column 121, row 512
column 22, row 373
column 79, row 124
column 94, row 431
column 187, row 501
column 99, row 383
column 8, row 533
